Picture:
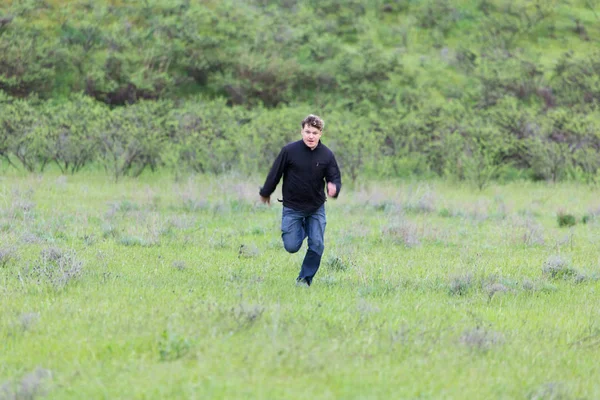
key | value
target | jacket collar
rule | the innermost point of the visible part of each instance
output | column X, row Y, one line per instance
column 308, row 148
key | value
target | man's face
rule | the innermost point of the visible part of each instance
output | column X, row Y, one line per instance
column 311, row 136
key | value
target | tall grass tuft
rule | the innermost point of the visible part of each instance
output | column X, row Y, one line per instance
column 7, row 256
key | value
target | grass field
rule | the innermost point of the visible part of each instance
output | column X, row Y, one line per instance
column 152, row 289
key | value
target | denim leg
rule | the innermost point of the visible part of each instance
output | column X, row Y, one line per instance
column 293, row 229
column 315, row 229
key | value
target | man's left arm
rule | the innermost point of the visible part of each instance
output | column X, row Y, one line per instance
column 333, row 175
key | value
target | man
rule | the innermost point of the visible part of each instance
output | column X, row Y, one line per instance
column 305, row 166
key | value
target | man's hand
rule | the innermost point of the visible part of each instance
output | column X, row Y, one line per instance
column 266, row 200
column 331, row 189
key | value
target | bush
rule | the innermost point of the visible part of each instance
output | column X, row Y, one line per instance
column 75, row 127
column 566, row 220
column 576, row 79
column 26, row 134
column 28, row 61
column 206, row 137
column 132, row 138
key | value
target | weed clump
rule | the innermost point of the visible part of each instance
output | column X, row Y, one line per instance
column 56, row 267
column 126, row 206
column 248, row 251
column 132, row 241
column 445, row 213
column 404, row 233
column 109, row 231
column 549, row 391
column 494, row 288
column 591, row 216
column 30, row 238
column 335, row 263
column 52, row 254
column 328, row 281
column 31, row 386
column 7, row 255
column 557, row 267
column 180, row 265
column 534, row 233
column 424, row 205
column 460, row 285
column 28, row 320
column 247, row 315
column 172, row 346
column 481, row 339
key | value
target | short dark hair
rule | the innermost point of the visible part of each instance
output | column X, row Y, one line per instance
column 314, row 121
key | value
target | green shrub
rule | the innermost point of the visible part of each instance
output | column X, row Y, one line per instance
column 172, row 346
column 218, row 86
column 566, row 220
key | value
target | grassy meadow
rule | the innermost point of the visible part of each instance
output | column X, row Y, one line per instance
column 155, row 288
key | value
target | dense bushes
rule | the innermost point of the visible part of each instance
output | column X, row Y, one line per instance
column 207, row 136
column 274, row 52
column 472, row 91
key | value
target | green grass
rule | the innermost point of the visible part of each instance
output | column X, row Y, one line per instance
column 139, row 289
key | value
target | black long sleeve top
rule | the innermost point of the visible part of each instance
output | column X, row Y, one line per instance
column 304, row 172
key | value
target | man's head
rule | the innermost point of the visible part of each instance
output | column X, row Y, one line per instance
column 312, row 129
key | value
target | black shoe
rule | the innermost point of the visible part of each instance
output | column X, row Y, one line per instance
column 302, row 282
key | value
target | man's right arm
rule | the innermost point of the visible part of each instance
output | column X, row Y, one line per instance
column 275, row 175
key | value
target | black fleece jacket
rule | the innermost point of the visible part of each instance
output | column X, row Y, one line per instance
column 304, row 172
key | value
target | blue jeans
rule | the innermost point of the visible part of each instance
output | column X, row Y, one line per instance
column 297, row 225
